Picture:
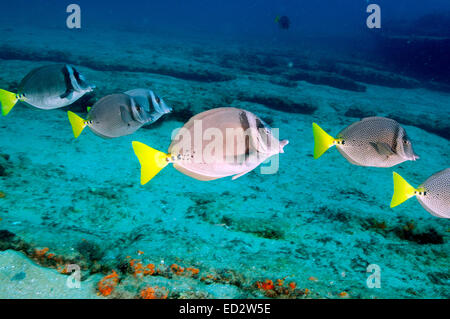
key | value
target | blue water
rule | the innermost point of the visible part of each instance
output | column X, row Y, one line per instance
column 319, row 223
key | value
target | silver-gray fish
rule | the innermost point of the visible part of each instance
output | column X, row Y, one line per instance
column 48, row 87
column 120, row 114
column 433, row 194
column 373, row 141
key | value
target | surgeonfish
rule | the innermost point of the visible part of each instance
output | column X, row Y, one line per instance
column 120, row 114
column 213, row 144
column 433, row 194
column 47, row 87
column 373, row 141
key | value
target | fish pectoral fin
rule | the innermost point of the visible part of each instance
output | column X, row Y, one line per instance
column 402, row 190
column 383, row 148
column 241, row 174
column 125, row 115
column 7, row 101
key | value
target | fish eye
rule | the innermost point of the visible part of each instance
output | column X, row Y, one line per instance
column 157, row 99
column 138, row 108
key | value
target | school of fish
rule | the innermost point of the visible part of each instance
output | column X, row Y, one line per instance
column 225, row 141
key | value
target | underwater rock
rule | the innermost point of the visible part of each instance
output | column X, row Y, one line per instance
column 12, row 53
column 439, row 278
column 21, row 278
column 264, row 228
column 359, row 113
column 279, row 103
column 90, row 251
column 9, row 240
column 429, row 236
column 199, row 73
column 251, row 62
column 283, row 82
column 369, row 75
column 438, row 125
column 325, row 78
column 6, row 235
column 5, row 165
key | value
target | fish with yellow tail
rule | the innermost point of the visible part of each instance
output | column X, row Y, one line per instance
column 47, row 87
column 214, row 144
column 433, row 194
column 120, row 114
column 373, row 141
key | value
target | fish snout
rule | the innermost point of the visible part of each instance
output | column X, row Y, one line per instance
column 90, row 87
column 167, row 109
column 283, row 143
column 415, row 157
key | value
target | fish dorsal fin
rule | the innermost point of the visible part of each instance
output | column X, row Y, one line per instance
column 382, row 148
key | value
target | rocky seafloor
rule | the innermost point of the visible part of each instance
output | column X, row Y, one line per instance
column 309, row 231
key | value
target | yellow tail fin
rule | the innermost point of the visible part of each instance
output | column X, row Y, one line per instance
column 402, row 190
column 322, row 141
column 7, row 101
column 78, row 123
column 151, row 160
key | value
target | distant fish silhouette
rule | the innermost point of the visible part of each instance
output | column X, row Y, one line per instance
column 283, row 22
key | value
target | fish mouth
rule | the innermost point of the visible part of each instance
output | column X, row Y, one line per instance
column 161, row 106
column 283, row 143
column 415, row 157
